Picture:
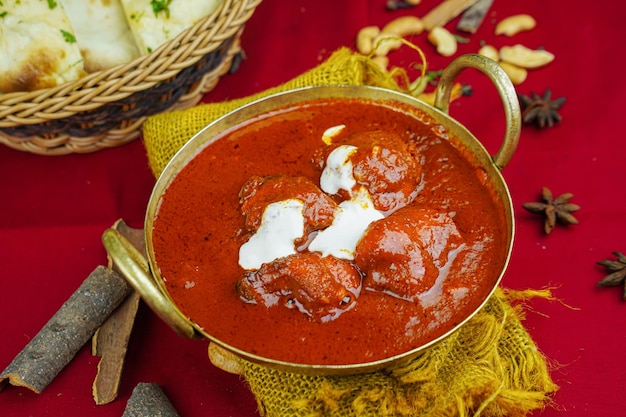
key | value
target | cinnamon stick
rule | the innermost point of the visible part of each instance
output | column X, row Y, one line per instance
column 111, row 343
column 111, row 340
column 148, row 400
column 67, row 331
column 445, row 12
column 473, row 17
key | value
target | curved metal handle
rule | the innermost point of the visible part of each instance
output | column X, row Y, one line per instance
column 134, row 267
column 505, row 88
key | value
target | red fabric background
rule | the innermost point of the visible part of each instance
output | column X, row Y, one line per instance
column 54, row 209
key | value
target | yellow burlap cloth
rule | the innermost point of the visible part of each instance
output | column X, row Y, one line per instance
column 489, row 367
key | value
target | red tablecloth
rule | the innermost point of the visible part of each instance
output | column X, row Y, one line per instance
column 54, row 209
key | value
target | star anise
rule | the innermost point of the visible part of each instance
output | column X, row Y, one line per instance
column 541, row 111
column 555, row 209
column 617, row 269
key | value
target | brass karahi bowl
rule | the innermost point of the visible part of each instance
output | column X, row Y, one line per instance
column 145, row 276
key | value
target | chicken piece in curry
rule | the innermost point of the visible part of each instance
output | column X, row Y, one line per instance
column 404, row 253
column 386, row 165
column 259, row 192
column 320, row 286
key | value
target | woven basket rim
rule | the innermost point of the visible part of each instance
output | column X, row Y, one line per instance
column 117, row 135
column 111, row 85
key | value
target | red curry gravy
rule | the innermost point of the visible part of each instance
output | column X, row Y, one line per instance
column 197, row 236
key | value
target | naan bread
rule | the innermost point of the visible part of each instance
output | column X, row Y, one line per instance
column 38, row 46
column 158, row 21
column 102, row 33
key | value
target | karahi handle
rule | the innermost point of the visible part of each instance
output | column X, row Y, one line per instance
column 134, row 268
column 507, row 93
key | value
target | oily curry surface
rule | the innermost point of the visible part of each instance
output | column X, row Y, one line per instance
column 200, row 228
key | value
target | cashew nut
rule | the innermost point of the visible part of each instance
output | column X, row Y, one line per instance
column 515, row 24
column 516, row 74
column 385, row 43
column 443, row 40
column 404, row 26
column 413, row 2
column 490, row 52
column 524, row 57
column 224, row 359
column 365, row 39
column 455, row 93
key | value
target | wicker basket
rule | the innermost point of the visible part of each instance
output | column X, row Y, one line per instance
column 107, row 108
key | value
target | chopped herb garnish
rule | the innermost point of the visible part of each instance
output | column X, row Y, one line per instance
column 3, row 14
column 161, row 6
column 52, row 4
column 69, row 38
